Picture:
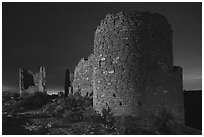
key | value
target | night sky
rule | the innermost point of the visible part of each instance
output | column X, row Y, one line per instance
column 58, row 35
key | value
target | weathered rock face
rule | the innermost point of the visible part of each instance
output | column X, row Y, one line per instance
column 30, row 82
column 132, row 67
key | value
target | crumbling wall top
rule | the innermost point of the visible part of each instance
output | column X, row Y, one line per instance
column 30, row 82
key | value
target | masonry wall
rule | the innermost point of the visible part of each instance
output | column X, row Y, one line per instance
column 133, row 52
column 25, row 81
column 30, row 82
column 131, row 70
column 83, row 77
column 164, row 90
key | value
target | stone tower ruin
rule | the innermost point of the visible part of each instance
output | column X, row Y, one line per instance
column 132, row 69
column 68, row 82
column 30, row 82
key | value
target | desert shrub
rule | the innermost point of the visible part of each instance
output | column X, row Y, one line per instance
column 67, row 116
column 90, row 114
column 73, row 108
column 55, row 108
column 128, row 125
column 49, row 108
column 58, row 111
column 35, row 100
column 71, row 116
column 108, row 117
column 67, row 109
column 87, row 101
column 7, row 95
column 11, row 106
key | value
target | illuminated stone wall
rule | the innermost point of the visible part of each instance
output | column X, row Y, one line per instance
column 83, row 77
column 30, row 82
column 132, row 69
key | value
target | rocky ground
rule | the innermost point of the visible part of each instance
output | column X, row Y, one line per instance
column 76, row 116
column 31, row 123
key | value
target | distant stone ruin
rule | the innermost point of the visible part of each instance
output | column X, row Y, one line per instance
column 30, row 82
column 131, row 70
column 68, row 82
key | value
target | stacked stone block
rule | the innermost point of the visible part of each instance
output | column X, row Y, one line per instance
column 132, row 69
column 133, row 53
column 30, row 82
column 83, row 73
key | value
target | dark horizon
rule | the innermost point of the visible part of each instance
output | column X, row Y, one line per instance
column 58, row 35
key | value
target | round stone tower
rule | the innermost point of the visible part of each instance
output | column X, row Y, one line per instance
column 128, row 49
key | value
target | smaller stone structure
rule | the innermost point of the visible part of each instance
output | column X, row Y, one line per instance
column 68, row 82
column 83, row 77
column 30, row 82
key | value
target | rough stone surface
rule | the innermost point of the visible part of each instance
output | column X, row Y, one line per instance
column 30, row 82
column 83, row 77
column 68, row 81
column 132, row 71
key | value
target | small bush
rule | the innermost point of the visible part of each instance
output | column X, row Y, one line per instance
column 58, row 111
column 35, row 100
column 90, row 114
column 71, row 116
column 68, row 109
column 127, row 125
column 55, row 108
column 49, row 108
column 11, row 106
column 7, row 95
column 108, row 117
